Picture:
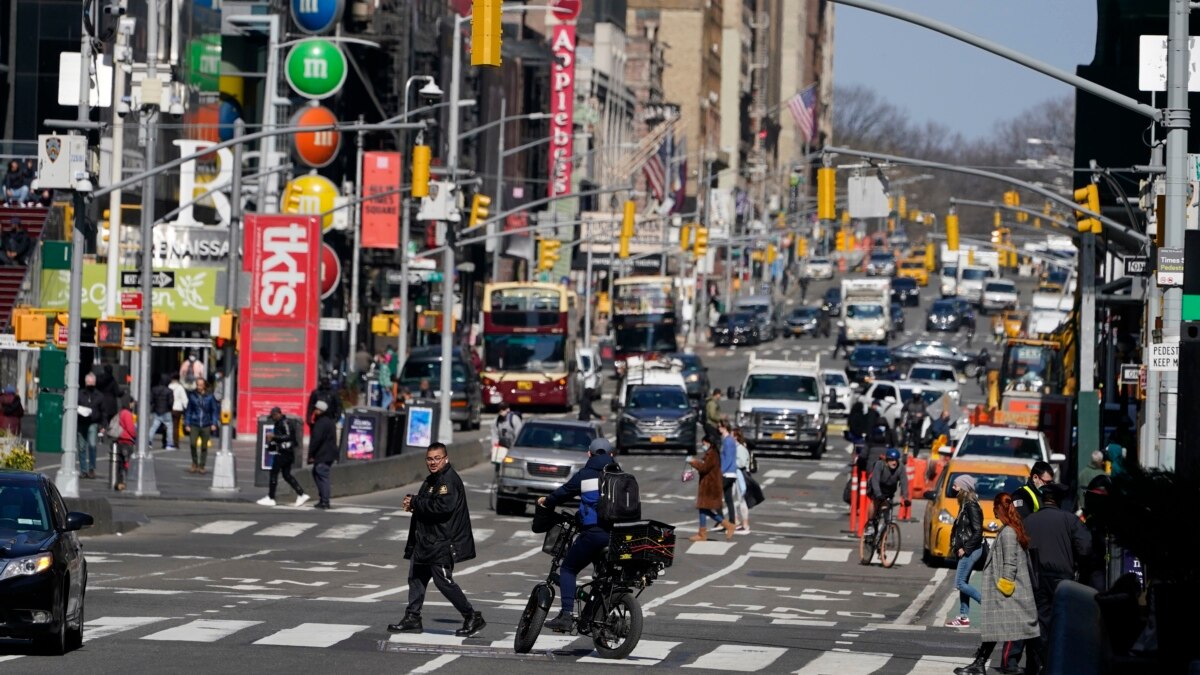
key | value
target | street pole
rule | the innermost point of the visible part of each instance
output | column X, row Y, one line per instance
column 147, row 483
column 589, row 288
column 445, row 426
column 496, row 228
column 405, row 222
column 116, row 165
column 1177, row 119
column 356, row 262
column 224, row 467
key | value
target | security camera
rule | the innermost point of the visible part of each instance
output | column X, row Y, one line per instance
column 122, row 108
column 118, row 8
column 176, row 109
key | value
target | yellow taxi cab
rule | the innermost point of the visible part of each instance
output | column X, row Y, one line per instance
column 941, row 508
column 914, row 268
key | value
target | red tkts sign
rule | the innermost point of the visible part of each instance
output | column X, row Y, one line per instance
column 562, row 108
column 278, row 355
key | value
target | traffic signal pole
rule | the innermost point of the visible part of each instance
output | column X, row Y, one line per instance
column 224, row 467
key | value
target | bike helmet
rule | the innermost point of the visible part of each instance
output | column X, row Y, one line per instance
column 917, row 391
column 892, row 454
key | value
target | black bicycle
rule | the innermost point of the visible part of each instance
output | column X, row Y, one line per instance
column 609, row 610
column 881, row 536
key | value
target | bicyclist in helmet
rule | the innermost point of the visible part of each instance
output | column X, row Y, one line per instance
column 886, row 477
column 879, row 438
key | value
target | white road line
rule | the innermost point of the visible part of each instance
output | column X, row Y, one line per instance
column 710, row 547
column 775, row 549
column 353, row 510
column 376, row 596
column 284, row 530
column 547, row 641
column 700, row 616
column 824, row 475
column 433, row 665
column 810, row 623
column 427, row 638
column 111, row 625
column 910, row 612
column 345, row 532
column 822, row 554
column 224, row 526
column 10, row 658
column 202, row 630
column 482, row 535
column 647, row 653
column 312, row 635
column 904, row 558
column 780, row 473
column 740, row 658
column 699, row 583
column 937, row 665
column 942, row 612
column 845, row 663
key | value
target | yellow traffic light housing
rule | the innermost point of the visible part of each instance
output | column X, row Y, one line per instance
column 548, row 251
column 385, row 324
column 952, row 231
column 685, row 237
column 479, row 209
column 1089, row 198
column 627, row 223
column 160, row 323
column 29, row 326
column 801, row 247
column 826, row 193
column 902, row 211
column 997, row 219
column 700, row 247
column 485, row 32
column 771, row 254
column 840, row 240
column 422, row 155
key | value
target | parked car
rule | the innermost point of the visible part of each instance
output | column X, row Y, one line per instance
column 831, row 302
column 906, row 292
column 870, row 362
column 941, row 506
column 819, row 268
column 44, row 574
column 545, row 454
column 466, row 402
column 943, row 316
column 695, row 375
column 809, row 321
column 934, row 351
column 739, row 328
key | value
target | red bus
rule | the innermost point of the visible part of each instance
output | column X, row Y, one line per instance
column 643, row 319
column 529, row 344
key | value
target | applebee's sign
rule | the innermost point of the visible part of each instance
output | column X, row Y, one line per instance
column 562, row 108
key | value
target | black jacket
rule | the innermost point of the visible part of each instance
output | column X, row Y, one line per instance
column 967, row 533
column 1060, row 539
column 440, row 530
column 857, row 419
column 323, row 444
column 331, row 399
column 1027, row 500
column 161, row 400
column 283, row 441
column 91, row 398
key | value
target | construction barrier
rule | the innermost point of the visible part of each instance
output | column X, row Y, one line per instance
column 854, row 505
column 915, row 472
column 864, row 503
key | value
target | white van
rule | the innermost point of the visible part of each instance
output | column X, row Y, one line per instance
column 949, row 280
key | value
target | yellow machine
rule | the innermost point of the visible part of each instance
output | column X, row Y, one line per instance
column 914, row 268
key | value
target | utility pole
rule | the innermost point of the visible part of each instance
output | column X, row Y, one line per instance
column 117, row 163
column 497, row 228
column 224, row 467
column 356, row 262
column 445, row 426
column 405, row 223
column 1177, row 119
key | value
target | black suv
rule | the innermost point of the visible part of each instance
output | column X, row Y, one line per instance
column 466, row 403
column 657, row 417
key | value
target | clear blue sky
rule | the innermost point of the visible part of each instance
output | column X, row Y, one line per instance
column 937, row 78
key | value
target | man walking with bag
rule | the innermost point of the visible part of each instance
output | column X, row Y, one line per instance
column 282, row 447
column 439, row 536
column 322, row 451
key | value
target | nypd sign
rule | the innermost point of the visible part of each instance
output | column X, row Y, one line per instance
column 316, row 16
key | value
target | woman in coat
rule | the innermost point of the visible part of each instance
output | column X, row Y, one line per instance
column 1009, row 612
column 710, row 492
column 966, row 543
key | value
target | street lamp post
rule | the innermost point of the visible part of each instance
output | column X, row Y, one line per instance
column 445, row 426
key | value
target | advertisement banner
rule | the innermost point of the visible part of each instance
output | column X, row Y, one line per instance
column 381, row 215
column 191, row 298
column 562, row 108
column 279, row 328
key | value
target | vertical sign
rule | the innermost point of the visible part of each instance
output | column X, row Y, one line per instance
column 279, row 328
column 562, row 108
column 381, row 214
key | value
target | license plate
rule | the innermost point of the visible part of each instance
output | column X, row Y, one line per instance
column 524, row 386
column 524, row 399
column 658, row 439
column 778, row 436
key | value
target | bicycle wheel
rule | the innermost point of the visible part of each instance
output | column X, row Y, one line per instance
column 866, row 547
column 621, row 630
column 530, row 625
column 889, row 545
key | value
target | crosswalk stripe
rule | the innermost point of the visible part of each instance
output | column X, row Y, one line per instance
column 740, row 658
column 353, row 510
column 822, row 554
column 399, row 535
column 780, row 473
column 312, row 635
column 845, row 663
column 646, row 653
column 285, row 530
column 547, row 641
column 345, row 532
column 111, row 625
column 904, row 558
column 710, row 547
column 427, row 638
column 824, row 475
column 436, row 663
column 937, row 665
column 772, row 549
column 202, row 630
column 705, row 616
column 482, row 535
column 224, row 526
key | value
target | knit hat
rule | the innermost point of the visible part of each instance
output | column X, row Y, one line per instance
column 964, row 482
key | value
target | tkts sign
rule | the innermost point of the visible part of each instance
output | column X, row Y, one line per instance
column 562, row 108
column 279, row 328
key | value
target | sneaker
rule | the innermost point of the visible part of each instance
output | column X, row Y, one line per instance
column 301, row 499
column 266, row 501
column 321, row 505
column 742, row 530
column 471, row 625
column 563, row 623
column 959, row 622
column 411, row 623
column 171, row 448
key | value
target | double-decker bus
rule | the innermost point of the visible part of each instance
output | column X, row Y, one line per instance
column 529, row 344
column 643, row 319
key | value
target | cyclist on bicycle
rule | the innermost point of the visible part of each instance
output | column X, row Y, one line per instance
column 879, row 439
column 913, row 416
column 886, row 477
column 968, row 321
column 592, row 539
column 982, row 362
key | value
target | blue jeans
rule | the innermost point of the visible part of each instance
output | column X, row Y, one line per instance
column 716, row 517
column 88, row 435
column 163, row 420
column 582, row 553
column 962, row 578
column 17, row 196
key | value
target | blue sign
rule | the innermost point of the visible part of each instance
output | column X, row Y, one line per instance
column 316, row 16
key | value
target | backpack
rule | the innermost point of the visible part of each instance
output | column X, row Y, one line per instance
column 505, row 430
column 113, row 430
column 620, row 500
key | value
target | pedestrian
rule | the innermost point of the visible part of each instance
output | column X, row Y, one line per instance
column 425, row 390
column 1058, row 540
column 506, row 426
column 200, row 420
column 15, row 244
column 324, row 392
column 729, row 470
column 384, row 376
column 1028, row 498
column 322, row 451
column 126, row 441
column 856, row 422
column 1008, row 610
column 178, row 405
column 11, row 411
column 362, row 360
column 281, row 445
column 88, row 412
column 966, row 542
column 586, row 411
column 708, row 491
column 162, row 400
column 439, row 537
column 16, row 188
column 803, row 286
column 843, row 344
column 110, row 408
column 712, row 416
column 190, row 371
column 741, row 507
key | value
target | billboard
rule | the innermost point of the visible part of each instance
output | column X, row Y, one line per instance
column 562, row 108
column 279, row 328
column 381, row 174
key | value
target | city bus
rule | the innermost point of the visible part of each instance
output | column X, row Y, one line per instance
column 644, row 319
column 529, row 345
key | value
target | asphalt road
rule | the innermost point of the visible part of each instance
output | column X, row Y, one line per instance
column 222, row 587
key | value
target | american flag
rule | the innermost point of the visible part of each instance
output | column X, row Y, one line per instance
column 655, row 169
column 679, row 175
column 803, row 108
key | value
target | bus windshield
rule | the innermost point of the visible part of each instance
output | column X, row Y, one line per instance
column 530, row 353
column 646, row 338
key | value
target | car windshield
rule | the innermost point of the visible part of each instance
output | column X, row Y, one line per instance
column 975, row 273
column 658, row 398
column 943, row 307
column 735, row 319
column 833, row 295
column 912, row 264
column 864, row 312
column 1000, row 287
column 904, row 284
column 949, row 271
column 818, row 261
column 935, row 374
column 987, row 445
column 1057, row 276
column 926, row 394
column 555, row 436
column 22, row 509
column 870, row 355
column 803, row 313
column 524, row 353
column 835, row 380
column 882, row 258
column 415, row 371
column 988, row 485
column 786, row 387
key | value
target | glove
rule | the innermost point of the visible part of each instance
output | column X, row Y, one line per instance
column 1005, row 586
column 907, row 503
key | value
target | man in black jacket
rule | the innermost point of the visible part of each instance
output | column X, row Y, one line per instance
column 439, row 536
column 1028, row 498
column 162, row 400
column 282, row 447
column 324, row 392
column 90, row 410
column 1057, row 540
column 322, row 451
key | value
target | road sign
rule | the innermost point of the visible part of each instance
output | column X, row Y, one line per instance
column 1164, row 356
column 1130, row 373
column 1137, row 266
column 316, row 68
column 161, row 279
column 316, row 148
column 1170, row 267
column 334, row 323
column 566, row 10
column 316, row 16
column 61, row 336
column 131, row 301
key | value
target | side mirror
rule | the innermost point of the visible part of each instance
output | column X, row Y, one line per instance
column 731, row 392
column 78, row 521
column 929, row 494
column 1057, row 457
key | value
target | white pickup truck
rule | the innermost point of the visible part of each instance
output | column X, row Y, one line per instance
column 865, row 310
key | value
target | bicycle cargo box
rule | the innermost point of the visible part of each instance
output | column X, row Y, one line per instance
column 558, row 540
column 644, row 541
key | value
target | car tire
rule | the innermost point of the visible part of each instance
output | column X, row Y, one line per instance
column 75, row 635
column 55, row 644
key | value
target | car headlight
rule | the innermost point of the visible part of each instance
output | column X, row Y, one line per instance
column 879, row 332
column 945, row 517
column 743, row 418
column 694, row 377
column 28, row 566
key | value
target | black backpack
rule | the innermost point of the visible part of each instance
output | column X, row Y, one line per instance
column 620, row 500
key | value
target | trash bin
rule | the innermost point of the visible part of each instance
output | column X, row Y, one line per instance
column 262, row 458
column 364, row 434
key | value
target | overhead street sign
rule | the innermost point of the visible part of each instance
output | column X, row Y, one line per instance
column 1137, row 266
column 161, row 279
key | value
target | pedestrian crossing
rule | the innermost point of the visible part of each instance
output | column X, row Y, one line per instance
column 699, row 654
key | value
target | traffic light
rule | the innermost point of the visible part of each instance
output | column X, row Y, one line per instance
column 547, row 254
column 801, row 247
column 1089, row 198
column 891, row 224
column 902, row 211
column 160, row 323
column 826, row 193
column 385, row 324
column 29, row 326
column 421, row 156
column 226, row 329
column 479, row 209
column 997, row 237
column 685, row 237
column 770, row 254
column 1012, row 198
column 700, row 248
column 952, row 231
column 840, row 240
column 485, row 32
column 846, row 216
column 627, row 223
column 110, row 333
column 997, row 219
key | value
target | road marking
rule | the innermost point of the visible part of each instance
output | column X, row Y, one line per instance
column 427, row 638
column 312, row 635
column 345, row 532
column 285, row 530
column 937, row 665
column 224, row 526
column 646, row 653
column 202, row 630
column 824, row 475
column 910, row 612
column 376, row 596
column 904, row 558
column 482, row 535
column 436, row 663
column 699, row 616
column 353, row 510
column 111, row 625
column 811, row 623
column 822, row 554
column 9, row 658
column 545, row 642
column 845, row 663
column 772, row 549
column 894, row 626
column 780, row 473
column 741, row 658
column 944, row 611
column 710, row 547
column 699, row 583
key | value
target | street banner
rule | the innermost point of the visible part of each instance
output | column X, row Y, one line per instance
column 381, row 215
column 562, row 108
column 279, row 328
